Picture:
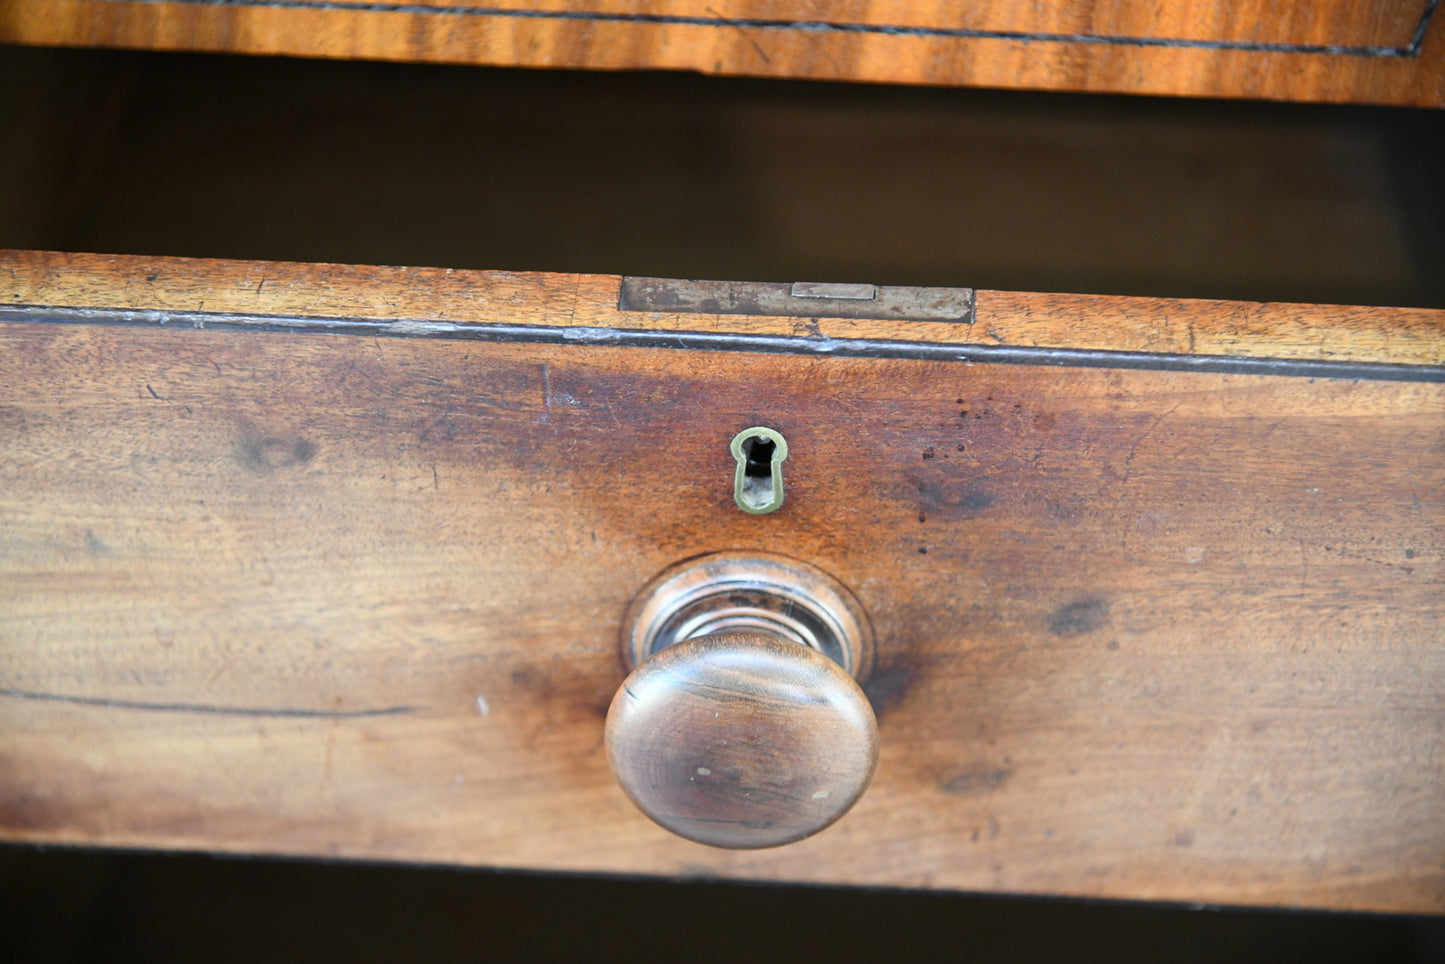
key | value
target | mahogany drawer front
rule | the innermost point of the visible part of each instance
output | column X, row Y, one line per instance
column 1149, row 624
column 1382, row 52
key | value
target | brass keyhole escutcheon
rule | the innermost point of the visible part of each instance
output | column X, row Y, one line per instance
column 742, row 724
column 758, row 480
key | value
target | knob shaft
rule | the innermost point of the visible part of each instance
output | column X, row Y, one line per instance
column 742, row 740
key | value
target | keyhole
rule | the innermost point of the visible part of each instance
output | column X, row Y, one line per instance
column 758, row 482
column 759, row 451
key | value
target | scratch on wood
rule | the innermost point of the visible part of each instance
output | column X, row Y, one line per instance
column 220, row 671
column 284, row 712
column 607, row 403
column 742, row 32
column 546, row 393
column 1129, row 459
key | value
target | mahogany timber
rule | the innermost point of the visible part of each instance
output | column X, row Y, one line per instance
column 1381, row 52
column 1184, row 327
column 1139, row 633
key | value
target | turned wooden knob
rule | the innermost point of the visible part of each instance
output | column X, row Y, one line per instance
column 742, row 739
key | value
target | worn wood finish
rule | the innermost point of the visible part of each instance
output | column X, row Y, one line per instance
column 742, row 740
column 1336, row 23
column 1378, row 52
column 1139, row 634
column 478, row 298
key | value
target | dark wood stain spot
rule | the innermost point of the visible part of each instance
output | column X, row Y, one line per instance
column 94, row 544
column 525, row 678
column 1080, row 616
column 953, row 497
column 887, row 685
column 563, row 691
column 976, row 501
column 1069, row 512
column 976, row 779
column 1184, row 838
column 264, row 454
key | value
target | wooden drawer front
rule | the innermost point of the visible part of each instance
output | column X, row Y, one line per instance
column 1245, row 23
column 1378, row 52
column 1142, row 632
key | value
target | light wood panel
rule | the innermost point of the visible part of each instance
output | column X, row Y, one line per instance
column 1140, row 634
column 1380, row 52
column 1184, row 327
column 1338, row 23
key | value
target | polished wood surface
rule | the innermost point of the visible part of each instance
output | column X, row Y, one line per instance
column 742, row 740
column 1139, row 633
column 1340, row 23
column 1378, row 52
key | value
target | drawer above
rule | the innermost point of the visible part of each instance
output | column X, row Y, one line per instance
column 1377, row 52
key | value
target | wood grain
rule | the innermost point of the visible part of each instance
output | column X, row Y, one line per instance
column 1336, row 51
column 1139, row 634
column 1184, row 327
column 742, row 740
column 1339, row 23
